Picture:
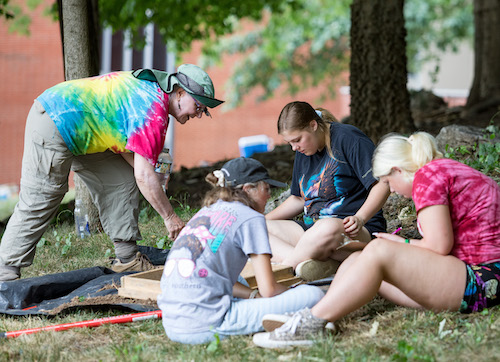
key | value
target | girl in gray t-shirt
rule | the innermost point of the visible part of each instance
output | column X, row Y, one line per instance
column 202, row 291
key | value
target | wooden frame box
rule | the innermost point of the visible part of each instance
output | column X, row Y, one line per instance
column 146, row 285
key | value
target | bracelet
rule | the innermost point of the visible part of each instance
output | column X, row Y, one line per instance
column 407, row 241
column 253, row 294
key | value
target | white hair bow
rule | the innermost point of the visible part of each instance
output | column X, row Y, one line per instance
column 221, row 180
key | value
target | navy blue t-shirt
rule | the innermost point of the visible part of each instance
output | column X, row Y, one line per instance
column 338, row 186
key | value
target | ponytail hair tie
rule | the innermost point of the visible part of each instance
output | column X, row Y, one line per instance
column 221, row 181
column 320, row 115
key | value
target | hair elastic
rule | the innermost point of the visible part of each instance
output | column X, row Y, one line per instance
column 319, row 113
column 221, row 181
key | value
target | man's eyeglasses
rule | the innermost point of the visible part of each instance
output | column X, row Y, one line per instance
column 200, row 108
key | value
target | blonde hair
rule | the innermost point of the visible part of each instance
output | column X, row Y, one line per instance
column 296, row 116
column 407, row 153
column 228, row 193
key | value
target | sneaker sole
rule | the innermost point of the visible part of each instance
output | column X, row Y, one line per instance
column 262, row 340
column 311, row 270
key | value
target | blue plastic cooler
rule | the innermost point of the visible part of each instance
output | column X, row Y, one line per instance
column 254, row 144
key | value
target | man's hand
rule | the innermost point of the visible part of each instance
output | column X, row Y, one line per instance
column 150, row 186
column 174, row 225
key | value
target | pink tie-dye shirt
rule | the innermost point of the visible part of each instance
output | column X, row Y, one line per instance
column 474, row 203
column 114, row 111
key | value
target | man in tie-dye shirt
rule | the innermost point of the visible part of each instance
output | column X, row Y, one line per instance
column 110, row 130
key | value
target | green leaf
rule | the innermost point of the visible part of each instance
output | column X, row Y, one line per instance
column 214, row 345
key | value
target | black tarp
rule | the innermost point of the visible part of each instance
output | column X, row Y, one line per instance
column 40, row 295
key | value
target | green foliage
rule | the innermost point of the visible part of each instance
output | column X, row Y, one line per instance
column 406, row 352
column 214, row 346
column 42, row 243
column 308, row 44
column 182, row 22
column 4, row 10
column 146, row 213
column 65, row 242
column 129, row 352
column 19, row 20
column 484, row 157
column 436, row 26
column 303, row 46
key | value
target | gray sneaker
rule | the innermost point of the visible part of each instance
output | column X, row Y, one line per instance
column 270, row 322
column 140, row 263
column 311, row 269
column 300, row 330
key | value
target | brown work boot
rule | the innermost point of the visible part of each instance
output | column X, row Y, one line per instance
column 140, row 263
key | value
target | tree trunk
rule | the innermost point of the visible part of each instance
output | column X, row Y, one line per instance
column 79, row 33
column 380, row 102
column 485, row 90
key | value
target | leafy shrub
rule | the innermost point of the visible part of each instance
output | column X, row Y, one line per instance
column 484, row 157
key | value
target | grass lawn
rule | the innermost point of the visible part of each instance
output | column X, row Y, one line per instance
column 380, row 331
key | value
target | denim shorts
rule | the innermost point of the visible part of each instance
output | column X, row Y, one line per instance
column 481, row 288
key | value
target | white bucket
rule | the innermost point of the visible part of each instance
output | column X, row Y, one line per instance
column 255, row 144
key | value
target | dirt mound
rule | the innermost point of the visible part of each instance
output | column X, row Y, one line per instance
column 188, row 186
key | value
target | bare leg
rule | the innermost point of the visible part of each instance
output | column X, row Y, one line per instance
column 387, row 291
column 395, row 295
column 283, row 236
column 428, row 279
column 321, row 241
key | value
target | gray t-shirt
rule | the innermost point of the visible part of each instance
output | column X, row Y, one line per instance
column 204, row 263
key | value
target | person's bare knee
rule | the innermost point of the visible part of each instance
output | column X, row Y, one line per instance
column 323, row 238
column 379, row 251
column 272, row 226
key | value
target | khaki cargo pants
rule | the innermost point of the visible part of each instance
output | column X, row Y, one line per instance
column 44, row 181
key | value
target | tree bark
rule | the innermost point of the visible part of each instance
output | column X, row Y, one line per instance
column 380, row 102
column 79, row 32
column 485, row 90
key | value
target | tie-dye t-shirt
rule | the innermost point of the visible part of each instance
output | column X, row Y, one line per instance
column 204, row 264
column 337, row 187
column 115, row 111
column 474, row 203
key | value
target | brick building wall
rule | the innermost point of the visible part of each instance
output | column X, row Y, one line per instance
column 28, row 65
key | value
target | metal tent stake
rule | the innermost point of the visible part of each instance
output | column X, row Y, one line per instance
column 126, row 318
